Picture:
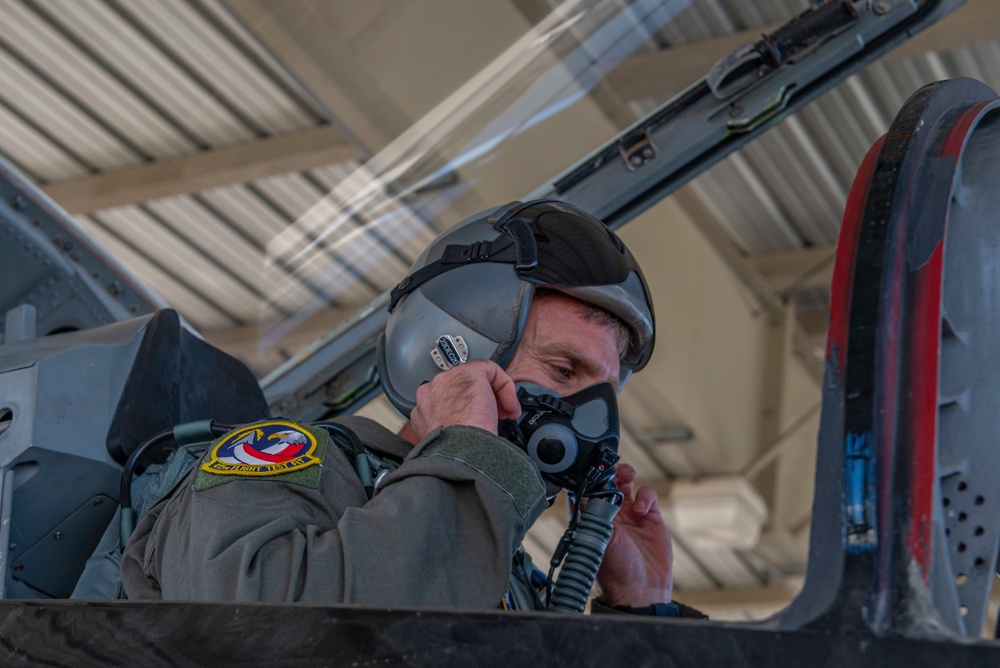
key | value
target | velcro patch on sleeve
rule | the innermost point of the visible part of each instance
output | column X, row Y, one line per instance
column 512, row 471
column 276, row 450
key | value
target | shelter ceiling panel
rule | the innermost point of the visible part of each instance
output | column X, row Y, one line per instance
column 745, row 206
column 833, row 127
column 220, row 14
column 223, row 65
column 338, row 232
column 294, row 195
column 33, row 152
column 179, row 293
column 111, row 33
column 791, row 168
column 408, row 232
column 56, row 55
column 219, row 240
column 175, row 252
column 982, row 58
column 258, row 221
column 94, row 144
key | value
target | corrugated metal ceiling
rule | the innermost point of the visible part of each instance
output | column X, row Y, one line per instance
column 95, row 86
column 100, row 86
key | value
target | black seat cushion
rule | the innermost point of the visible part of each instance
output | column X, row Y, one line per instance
column 177, row 377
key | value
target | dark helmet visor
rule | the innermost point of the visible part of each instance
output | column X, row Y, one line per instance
column 557, row 244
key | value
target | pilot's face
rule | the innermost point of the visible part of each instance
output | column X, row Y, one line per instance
column 561, row 351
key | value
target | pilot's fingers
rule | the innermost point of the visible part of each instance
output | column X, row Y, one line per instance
column 508, row 407
column 477, row 393
column 646, row 502
column 625, row 475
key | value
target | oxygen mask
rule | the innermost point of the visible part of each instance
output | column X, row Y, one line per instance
column 572, row 439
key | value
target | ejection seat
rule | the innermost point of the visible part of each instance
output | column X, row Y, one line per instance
column 73, row 407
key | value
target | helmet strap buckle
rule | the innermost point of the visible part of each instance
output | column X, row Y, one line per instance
column 475, row 252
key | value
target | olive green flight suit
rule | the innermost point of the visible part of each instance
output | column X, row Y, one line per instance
column 441, row 530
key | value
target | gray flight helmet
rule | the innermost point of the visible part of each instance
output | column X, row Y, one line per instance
column 467, row 296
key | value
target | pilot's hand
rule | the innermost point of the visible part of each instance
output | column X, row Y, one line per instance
column 477, row 394
column 637, row 566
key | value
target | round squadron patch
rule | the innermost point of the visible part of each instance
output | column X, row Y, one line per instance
column 265, row 448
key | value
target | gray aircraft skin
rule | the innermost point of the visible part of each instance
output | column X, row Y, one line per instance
column 92, row 363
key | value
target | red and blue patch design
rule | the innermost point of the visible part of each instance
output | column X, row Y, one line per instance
column 266, row 448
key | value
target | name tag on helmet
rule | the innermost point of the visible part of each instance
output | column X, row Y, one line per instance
column 449, row 352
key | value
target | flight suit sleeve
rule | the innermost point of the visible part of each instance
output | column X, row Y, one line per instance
column 440, row 531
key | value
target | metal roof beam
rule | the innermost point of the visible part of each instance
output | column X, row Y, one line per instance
column 201, row 171
column 799, row 269
column 663, row 73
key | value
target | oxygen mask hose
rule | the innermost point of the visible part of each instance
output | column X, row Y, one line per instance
column 583, row 557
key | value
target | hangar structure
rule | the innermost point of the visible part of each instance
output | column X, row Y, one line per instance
column 270, row 170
